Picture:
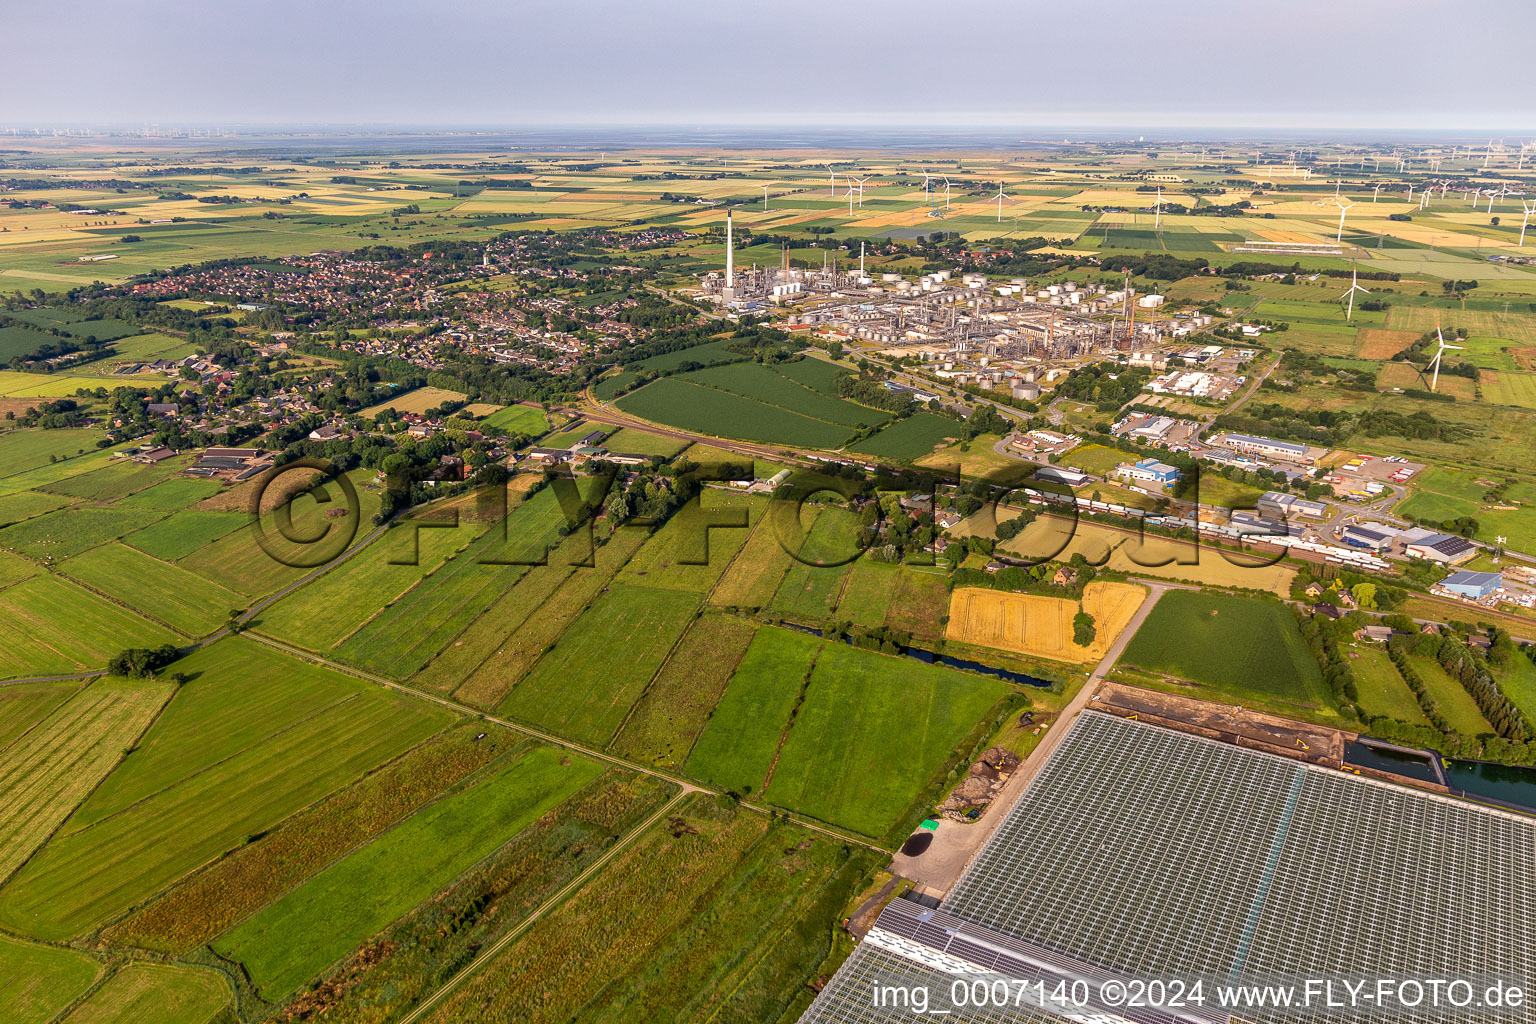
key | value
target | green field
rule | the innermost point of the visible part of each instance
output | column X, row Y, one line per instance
column 908, row 439
column 181, row 533
column 311, row 927
column 874, row 734
column 50, row 626
column 175, row 493
column 53, row 766
column 1460, row 711
column 679, row 403
column 148, row 993
column 185, row 601
column 69, row 531
column 324, row 613
column 764, row 384
column 1245, row 648
column 813, row 581
column 1381, row 687
column 710, row 915
column 26, row 504
column 403, row 637
column 741, row 739
column 22, row 450
column 1518, row 681
column 517, row 419
column 669, row 716
column 115, row 480
column 36, row 982
column 23, row 705
column 1442, row 492
column 419, row 953
column 643, row 442
column 585, row 685
column 686, row 553
column 88, row 874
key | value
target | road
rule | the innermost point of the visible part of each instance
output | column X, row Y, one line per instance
column 955, row 844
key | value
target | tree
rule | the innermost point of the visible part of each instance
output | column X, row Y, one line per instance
column 1083, row 630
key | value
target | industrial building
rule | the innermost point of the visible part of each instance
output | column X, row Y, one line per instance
column 1269, row 447
column 1365, row 537
column 1141, row 852
column 1445, row 548
column 1288, row 506
column 1472, row 586
column 1149, row 470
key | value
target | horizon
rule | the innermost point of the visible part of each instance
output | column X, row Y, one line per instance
column 1187, row 64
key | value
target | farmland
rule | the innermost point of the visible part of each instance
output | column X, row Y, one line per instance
column 1455, row 703
column 246, row 787
column 908, row 439
column 1042, row 626
column 186, row 602
column 146, row 993
column 1382, row 689
column 1241, row 648
column 873, row 735
column 575, row 690
column 704, row 906
column 49, row 626
column 672, row 712
column 208, row 902
column 742, row 737
column 53, row 766
column 314, row 925
column 680, row 403
column 36, row 982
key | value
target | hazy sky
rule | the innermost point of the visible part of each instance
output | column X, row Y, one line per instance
column 1293, row 63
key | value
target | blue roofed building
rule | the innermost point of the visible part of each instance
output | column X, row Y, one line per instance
column 1473, row 586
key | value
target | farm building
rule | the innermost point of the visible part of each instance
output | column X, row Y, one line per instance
column 1474, row 586
column 1140, row 852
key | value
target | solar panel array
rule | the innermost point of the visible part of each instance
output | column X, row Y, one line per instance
column 1154, row 853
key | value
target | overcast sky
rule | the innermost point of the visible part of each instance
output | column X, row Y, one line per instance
column 1293, row 63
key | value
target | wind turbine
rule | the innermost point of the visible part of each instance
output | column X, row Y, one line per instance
column 765, row 198
column 927, row 187
column 1530, row 208
column 1343, row 209
column 861, row 189
column 1376, row 193
column 1157, row 210
column 1435, row 362
column 1001, row 195
column 850, row 193
column 1354, row 286
column 946, row 193
column 831, row 182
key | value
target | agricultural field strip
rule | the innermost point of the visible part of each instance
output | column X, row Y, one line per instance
column 553, row 901
column 585, row 751
column 70, row 750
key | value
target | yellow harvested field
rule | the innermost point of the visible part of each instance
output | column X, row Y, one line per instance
column 1041, row 626
column 418, row 401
